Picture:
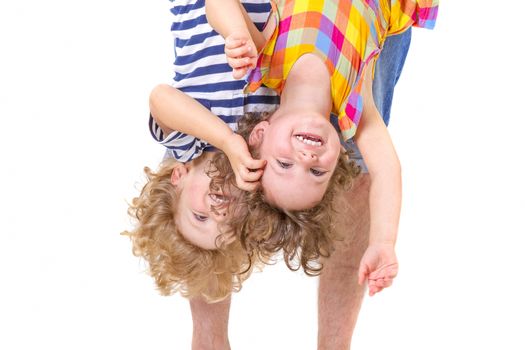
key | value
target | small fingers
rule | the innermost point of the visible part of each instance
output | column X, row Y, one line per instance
column 251, row 176
column 373, row 290
column 388, row 283
column 238, row 73
column 253, row 62
column 233, row 42
column 254, row 164
column 239, row 62
column 239, row 68
column 247, row 180
column 376, row 286
column 382, row 283
column 388, row 271
column 238, row 52
column 247, row 186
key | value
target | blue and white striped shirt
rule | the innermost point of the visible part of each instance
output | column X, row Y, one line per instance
column 202, row 72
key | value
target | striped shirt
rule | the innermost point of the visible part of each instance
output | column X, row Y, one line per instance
column 202, row 72
column 346, row 35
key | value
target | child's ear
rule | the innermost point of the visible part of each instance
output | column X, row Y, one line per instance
column 178, row 173
column 257, row 134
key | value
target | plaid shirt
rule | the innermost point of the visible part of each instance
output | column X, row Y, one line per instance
column 346, row 35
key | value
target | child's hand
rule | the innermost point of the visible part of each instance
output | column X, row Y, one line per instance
column 241, row 53
column 247, row 170
column 378, row 265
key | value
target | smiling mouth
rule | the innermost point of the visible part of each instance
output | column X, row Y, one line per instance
column 220, row 198
column 309, row 139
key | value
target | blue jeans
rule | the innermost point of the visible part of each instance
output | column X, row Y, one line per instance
column 387, row 72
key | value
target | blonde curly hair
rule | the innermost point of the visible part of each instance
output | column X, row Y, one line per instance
column 176, row 264
column 264, row 229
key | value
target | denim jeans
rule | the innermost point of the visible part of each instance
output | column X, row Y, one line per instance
column 387, row 72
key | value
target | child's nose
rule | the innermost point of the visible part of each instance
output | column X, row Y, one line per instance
column 307, row 156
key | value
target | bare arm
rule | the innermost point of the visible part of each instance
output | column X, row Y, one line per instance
column 379, row 264
column 229, row 16
column 383, row 165
column 174, row 110
column 242, row 39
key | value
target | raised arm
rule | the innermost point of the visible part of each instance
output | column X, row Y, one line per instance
column 229, row 16
column 174, row 110
column 379, row 264
column 242, row 38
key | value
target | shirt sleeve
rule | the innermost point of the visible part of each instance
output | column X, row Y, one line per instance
column 182, row 147
column 407, row 13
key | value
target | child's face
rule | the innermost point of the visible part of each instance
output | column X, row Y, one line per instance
column 197, row 222
column 301, row 151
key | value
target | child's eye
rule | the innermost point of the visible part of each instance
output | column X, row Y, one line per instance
column 316, row 172
column 283, row 165
column 200, row 218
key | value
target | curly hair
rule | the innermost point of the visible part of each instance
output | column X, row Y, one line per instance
column 263, row 229
column 176, row 264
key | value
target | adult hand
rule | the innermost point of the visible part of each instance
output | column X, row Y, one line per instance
column 247, row 170
column 241, row 53
column 379, row 266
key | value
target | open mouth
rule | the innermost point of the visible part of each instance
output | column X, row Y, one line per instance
column 219, row 198
column 309, row 139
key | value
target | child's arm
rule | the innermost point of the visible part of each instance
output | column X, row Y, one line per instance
column 242, row 39
column 379, row 263
column 174, row 110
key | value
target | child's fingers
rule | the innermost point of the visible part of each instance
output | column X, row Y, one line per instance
column 387, row 283
column 252, row 62
column 251, row 176
column 254, row 163
column 381, row 283
column 239, row 62
column 376, row 286
column 386, row 271
column 374, row 290
column 238, row 73
column 236, row 52
column 232, row 42
column 247, row 186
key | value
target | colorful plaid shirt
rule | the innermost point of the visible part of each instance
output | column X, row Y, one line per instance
column 346, row 35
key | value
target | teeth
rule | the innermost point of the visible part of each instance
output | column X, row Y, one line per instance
column 307, row 141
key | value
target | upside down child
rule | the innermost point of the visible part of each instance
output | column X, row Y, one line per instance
column 320, row 59
column 177, row 214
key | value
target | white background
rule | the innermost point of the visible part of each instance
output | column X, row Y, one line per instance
column 74, row 82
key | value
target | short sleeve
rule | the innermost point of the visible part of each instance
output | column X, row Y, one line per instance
column 180, row 146
column 407, row 13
